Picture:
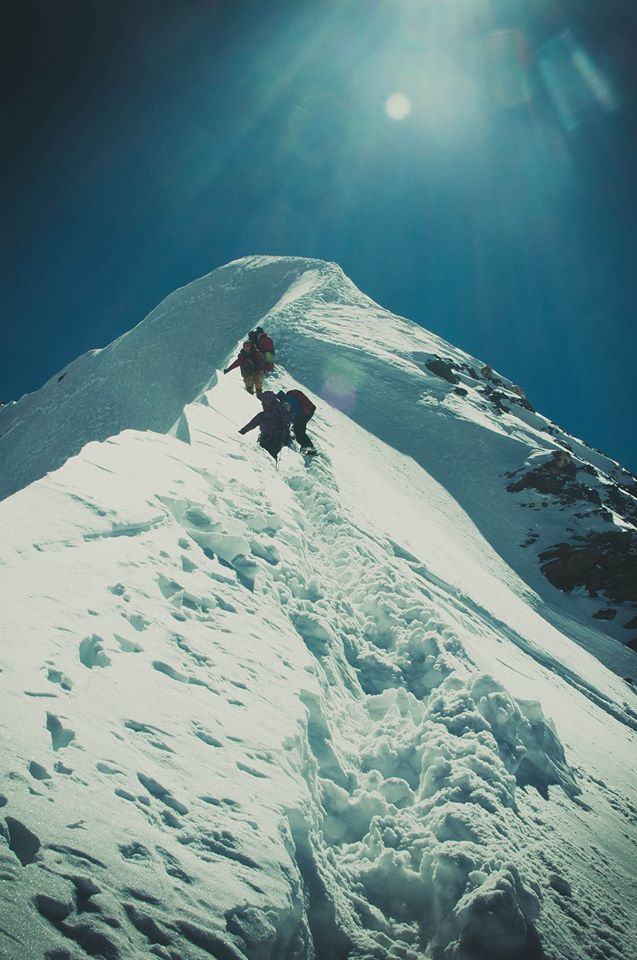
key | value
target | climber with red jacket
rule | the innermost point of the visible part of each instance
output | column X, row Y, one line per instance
column 273, row 423
column 301, row 412
column 259, row 337
column 251, row 364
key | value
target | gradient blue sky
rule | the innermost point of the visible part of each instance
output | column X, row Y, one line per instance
column 148, row 142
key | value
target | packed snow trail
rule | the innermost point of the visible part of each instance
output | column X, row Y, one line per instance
column 279, row 714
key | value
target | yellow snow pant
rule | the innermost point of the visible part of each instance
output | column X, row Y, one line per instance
column 254, row 381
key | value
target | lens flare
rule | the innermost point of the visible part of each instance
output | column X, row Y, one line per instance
column 340, row 386
column 508, row 67
column 573, row 80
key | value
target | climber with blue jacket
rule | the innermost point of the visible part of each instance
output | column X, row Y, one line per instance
column 273, row 423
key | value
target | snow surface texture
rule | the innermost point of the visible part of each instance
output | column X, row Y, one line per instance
column 305, row 713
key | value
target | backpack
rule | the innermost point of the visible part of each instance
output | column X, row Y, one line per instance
column 299, row 404
column 265, row 343
column 252, row 360
column 247, row 365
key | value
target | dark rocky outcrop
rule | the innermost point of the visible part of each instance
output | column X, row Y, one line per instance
column 557, row 477
column 514, row 394
column 623, row 501
column 606, row 613
column 602, row 563
column 442, row 368
column 496, row 397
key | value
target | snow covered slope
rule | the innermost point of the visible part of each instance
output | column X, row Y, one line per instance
column 333, row 710
column 548, row 504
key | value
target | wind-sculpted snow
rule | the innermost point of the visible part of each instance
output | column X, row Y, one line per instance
column 282, row 715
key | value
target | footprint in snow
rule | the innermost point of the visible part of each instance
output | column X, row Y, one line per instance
column 107, row 768
column 92, row 652
column 61, row 736
column 149, row 732
column 169, row 671
column 159, row 792
column 127, row 646
column 56, row 676
column 125, row 795
column 266, row 757
column 219, row 801
column 22, row 841
column 137, row 621
column 251, row 770
column 38, row 772
column 135, row 851
column 172, row 866
column 168, row 587
column 207, row 737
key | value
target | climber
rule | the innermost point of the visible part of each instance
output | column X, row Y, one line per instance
column 252, row 366
column 301, row 412
column 273, row 423
column 259, row 337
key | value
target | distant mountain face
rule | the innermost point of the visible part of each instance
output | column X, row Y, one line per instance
column 589, row 503
column 571, row 512
column 328, row 708
column 599, row 554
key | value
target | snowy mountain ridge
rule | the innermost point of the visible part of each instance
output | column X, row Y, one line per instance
column 422, row 396
column 325, row 711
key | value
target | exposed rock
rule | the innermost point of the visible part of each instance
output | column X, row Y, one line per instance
column 606, row 613
column 557, row 477
column 523, row 402
column 623, row 503
column 496, row 397
column 600, row 562
column 520, row 398
column 442, row 368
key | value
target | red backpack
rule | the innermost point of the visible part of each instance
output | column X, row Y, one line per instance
column 303, row 403
column 265, row 343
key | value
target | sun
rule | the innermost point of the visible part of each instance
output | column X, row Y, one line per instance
column 398, row 106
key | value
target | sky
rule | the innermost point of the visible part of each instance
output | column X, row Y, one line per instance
column 469, row 164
